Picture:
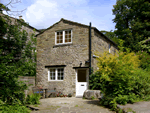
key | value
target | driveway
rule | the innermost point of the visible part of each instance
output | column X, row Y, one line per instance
column 70, row 105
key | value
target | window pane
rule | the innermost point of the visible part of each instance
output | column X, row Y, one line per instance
column 66, row 32
column 69, row 40
column 66, row 40
column 60, row 41
column 59, row 37
column 52, row 74
column 70, row 32
column 60, row 74
column 69, row 36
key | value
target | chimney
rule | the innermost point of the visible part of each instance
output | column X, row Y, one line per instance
column 20, row 17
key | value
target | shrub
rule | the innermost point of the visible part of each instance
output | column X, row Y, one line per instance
column 33, row 99
column 120, row 79
column 13, row 109
column 145, row 60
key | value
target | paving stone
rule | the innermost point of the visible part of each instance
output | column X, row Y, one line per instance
column 76, row 105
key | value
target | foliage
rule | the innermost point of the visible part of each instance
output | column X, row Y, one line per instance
column 33, row 99
column 14, row 109
column 145, row 45
column 132, row 18
column 16, row 59
column 111, row 35
column 120, row 79
column 145, row 60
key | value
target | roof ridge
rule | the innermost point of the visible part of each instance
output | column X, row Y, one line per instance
column 22, row 21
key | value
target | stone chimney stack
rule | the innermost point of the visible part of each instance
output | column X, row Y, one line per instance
column 20, row 17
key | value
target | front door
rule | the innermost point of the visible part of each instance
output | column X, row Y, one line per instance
column 81, row 82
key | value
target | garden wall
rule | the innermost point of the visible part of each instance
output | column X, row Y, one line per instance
column 29, row 81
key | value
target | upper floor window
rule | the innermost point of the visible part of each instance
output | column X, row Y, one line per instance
column 63, row 37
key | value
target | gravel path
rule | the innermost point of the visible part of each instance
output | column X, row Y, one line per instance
column 70, row 105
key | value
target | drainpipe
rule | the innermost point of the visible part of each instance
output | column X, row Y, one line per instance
column 90, row 49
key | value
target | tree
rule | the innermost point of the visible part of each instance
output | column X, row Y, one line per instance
column 17, row 58
column 111, row 35
column 132, row 18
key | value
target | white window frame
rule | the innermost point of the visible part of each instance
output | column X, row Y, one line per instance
column 56, row 74
column 63, row 37
column 109, row 48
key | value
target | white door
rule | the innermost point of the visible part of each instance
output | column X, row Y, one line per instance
column 81, row 81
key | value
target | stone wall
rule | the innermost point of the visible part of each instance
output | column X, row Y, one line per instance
column 29, row 81
column 69, row 55
column 100, row 45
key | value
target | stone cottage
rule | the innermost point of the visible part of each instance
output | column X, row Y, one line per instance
column 65, row 51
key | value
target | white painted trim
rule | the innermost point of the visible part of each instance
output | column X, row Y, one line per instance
column 109, row 48
column 87, row 80
column 63, row 37
column 76, row 81
column 55, row 38
column 48, row 74
column 56, row 73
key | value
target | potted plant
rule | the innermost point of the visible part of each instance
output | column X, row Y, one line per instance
column 65, row 95
column 61, row 95
column 58, row 95
column 69, row 95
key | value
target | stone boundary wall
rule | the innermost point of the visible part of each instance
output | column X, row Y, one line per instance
column 29, row 81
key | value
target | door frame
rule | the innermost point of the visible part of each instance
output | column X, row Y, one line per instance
column 87, row 78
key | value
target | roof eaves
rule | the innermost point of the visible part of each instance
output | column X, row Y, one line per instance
column 106, row 37
column 75, row 22
column 49, row 27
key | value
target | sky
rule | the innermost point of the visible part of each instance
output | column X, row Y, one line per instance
column 41, row 14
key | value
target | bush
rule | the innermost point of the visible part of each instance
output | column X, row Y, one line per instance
column 33, row 99
column 120, row 79
column 145, row 60
column 13, row 109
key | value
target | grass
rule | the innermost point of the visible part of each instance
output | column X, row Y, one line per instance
column 83, row 98
column 36, row 105
column 92, row 97
column 130, row 110
column 76, row 105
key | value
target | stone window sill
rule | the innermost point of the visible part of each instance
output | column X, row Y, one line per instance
column 61, row 45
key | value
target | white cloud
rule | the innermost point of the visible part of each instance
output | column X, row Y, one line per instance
column 44, row 13
column 39, row 11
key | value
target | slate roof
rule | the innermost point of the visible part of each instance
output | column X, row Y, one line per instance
column 27, row 25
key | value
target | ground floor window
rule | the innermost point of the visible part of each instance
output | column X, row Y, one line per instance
column 55, row 74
